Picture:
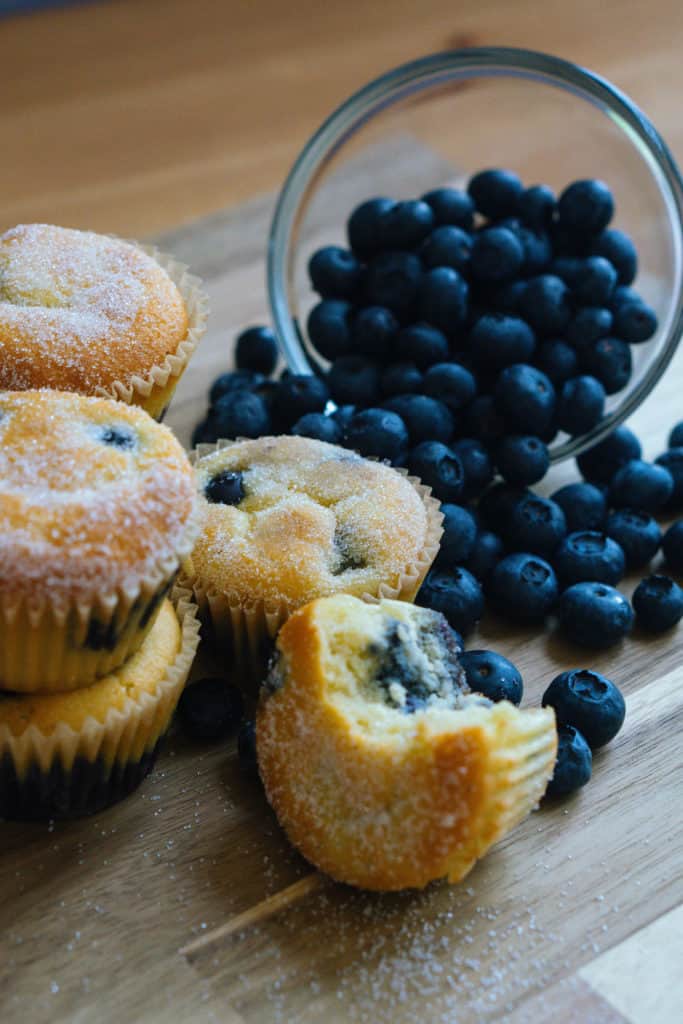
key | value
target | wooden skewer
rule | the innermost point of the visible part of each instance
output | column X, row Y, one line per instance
column 254, row 915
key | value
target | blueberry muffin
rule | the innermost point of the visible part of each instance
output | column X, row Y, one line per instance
column 93, row 314
column 385, row 771
column 289, row 519
column 67, row 754
column 97, row 510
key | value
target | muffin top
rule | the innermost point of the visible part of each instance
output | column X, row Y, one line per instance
column 80, row 311
column 142, row 673
column 95, row 499
column 290, row 519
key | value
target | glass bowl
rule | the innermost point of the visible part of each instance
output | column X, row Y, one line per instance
column 439, row 119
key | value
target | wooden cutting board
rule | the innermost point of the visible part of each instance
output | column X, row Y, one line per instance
column 185, row 902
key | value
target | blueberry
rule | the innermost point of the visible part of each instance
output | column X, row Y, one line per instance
column 623, row 295
column 456, row 594
column 594, row 615
column 483, row 420
column 225, row 488
column 364, row 226
column 557, row 360
column 459, row 532
column 601, row 462
column 496, row 505
column 452, row 383
column 588, row 325
column 497, row 255
column 438, row 467
column 486, row 553
column 373, row 332
column 236, row 380
column 581, row 405
column 377, row 432
column 343, row 415
column 536, row 247
column 672, row 460
column 422, row 345
column 209, row 710
column 672, row 546
column 447, row 246
column 609, row 360
column 523, row 587
column 536, row 206
column 545, row 304
column 401, row 379
column 335, row 273
column 120, row 436
column 299, row 394
column 637, row 533
column 584, row 506
column 393, row 280
column 634, row 322
column 594, row 282
column 526, row 397
column 589, row 555
column 658, row 603
column 534, row 524
column 589, row 702
column 329, row 328
column 256, row 349
column 240, row 414
column 492, row 675
column 203, row 433
column 585, row 207
column 495, row 192
column 573, row 764
column 476, row 462
column 318, row 426
column 676, row 436
column 451, row 206
column 246, row 748
column 405, row 224
column 498, row 340
column 642, row 486
column 443, row 299
column 427, row 419
column 353, row 380
column 522, row 459
column 618, row 248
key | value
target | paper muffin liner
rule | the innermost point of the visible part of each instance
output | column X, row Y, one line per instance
column 154, row 390
column 71, row 772
column 244, row 631
column 56, row 645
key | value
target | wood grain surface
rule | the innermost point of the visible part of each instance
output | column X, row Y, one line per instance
column 185, row 902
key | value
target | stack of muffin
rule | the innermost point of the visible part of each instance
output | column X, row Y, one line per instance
column 97, row 511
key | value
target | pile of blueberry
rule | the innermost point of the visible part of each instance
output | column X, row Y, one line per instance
column 463, row 331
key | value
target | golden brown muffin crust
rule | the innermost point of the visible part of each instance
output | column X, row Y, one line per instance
column 95, row 497
column 79, row 310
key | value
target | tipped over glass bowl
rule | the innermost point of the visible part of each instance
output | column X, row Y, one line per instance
column 437, row 121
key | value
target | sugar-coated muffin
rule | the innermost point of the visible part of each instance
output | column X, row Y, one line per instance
column 385, row 771
column 67, row 754
column 97, row 510
column 89, row 313
column 289, row 519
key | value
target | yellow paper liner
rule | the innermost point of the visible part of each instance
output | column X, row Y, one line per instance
column 154, row 390
column 245, row 630
column 123, row 736
column 57, row 645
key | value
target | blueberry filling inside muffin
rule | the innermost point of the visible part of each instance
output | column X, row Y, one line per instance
column 226, row 488
column 345, row 555
column 417, row 665
column 118, row 437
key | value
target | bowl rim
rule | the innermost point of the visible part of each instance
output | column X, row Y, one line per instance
column 448, row 65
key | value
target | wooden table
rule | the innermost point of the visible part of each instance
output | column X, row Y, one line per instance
column 185, row 902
